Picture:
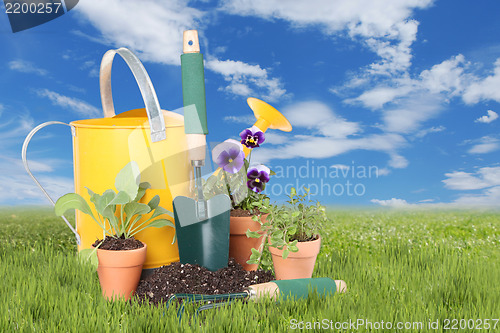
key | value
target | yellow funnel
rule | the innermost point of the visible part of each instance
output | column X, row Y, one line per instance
column 267, row 117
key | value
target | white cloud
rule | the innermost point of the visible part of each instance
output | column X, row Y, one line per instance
column 17, row 187
column 247, row 120
column 74, row 104
column 486, row 145
column 274, row 138
column 489, row 198
column 398, row 161
column 490, row 117
column 156, row 35
column 379, row 96
column 485, row 177
column 484, row 89
column 319, row 117
column 447, row 77
column 383, row 24
column 408, row 114
column 26, row 67
column 393, row 203
column 407, row 103
column 152, row 29
column 14, row 129
column 327, row 135
column 434, row 129
column 242, row 77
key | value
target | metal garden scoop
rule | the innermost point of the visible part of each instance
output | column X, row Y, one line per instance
column 202, row 226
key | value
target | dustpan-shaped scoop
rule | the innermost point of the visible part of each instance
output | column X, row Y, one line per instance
column 205, row 242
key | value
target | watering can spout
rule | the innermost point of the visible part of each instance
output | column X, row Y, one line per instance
column 155, row 115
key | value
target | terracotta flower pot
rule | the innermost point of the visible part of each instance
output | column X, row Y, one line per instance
column 240, row 246
column 298, row 265
column 120, row 271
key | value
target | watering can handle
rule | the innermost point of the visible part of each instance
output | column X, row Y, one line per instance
column 155, row 115
column 25, row 163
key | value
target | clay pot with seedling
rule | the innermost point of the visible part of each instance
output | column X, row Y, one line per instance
column 119, row 214
column 292, row 235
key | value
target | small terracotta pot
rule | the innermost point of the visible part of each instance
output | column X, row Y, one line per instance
column 298, row 265
column 240, row 246
column 120, row 271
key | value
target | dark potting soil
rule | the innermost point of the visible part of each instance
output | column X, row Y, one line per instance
column 238, row 212
column 119, row 244
column 193, row 279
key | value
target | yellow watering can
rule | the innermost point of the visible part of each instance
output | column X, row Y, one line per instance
column 152, row 137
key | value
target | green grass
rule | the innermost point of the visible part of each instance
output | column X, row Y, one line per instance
column 399, row 267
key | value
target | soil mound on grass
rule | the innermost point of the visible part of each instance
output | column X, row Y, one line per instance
column 193, row 279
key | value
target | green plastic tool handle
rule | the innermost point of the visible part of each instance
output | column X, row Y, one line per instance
column 193, row 92
column 300, row 288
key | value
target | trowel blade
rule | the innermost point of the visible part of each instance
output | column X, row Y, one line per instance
column 186, row 209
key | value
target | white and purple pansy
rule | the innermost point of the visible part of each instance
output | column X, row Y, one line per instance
column 257, row 177
column 252, row 137
column 229, row 155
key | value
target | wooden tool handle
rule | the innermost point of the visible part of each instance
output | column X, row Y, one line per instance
column 264, row 290
column 191, row 43
column 196, row 145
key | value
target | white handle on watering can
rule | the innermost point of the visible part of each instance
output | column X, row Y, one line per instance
column 25, row 163
column 155, row 115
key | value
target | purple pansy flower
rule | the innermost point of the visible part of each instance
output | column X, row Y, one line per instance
column 257, row 177
column 252, row 137
column 229, row 155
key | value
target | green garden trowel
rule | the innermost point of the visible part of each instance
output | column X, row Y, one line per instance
column 202, row 226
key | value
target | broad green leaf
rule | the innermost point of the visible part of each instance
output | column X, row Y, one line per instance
column 286, row 252
column 71, row 201
column 128, row 179
column 135, row 208
column 252, row 234
column 94, row 197
column 154, row 202
column 161, row 223
column 90, row 256
column 160, row 211
column 142, row 190
column 104, row 200
column 293, row 248
column 278, row 234
column 255, row 252
column 121, row 198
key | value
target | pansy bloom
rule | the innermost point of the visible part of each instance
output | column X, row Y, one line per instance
column 252, row 137
column 229, row 155
column 257, row 177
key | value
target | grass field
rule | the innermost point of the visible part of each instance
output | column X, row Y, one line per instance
column 413, row 268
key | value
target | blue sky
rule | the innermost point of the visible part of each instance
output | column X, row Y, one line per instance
column 409, row 88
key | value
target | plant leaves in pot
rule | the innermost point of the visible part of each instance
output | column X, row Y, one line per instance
column 293, row 236
column 120, row 256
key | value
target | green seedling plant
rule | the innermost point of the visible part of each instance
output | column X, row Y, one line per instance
column 286, row 225
column 118, row 213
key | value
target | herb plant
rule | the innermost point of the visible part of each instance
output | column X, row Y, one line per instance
column 286, row 225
